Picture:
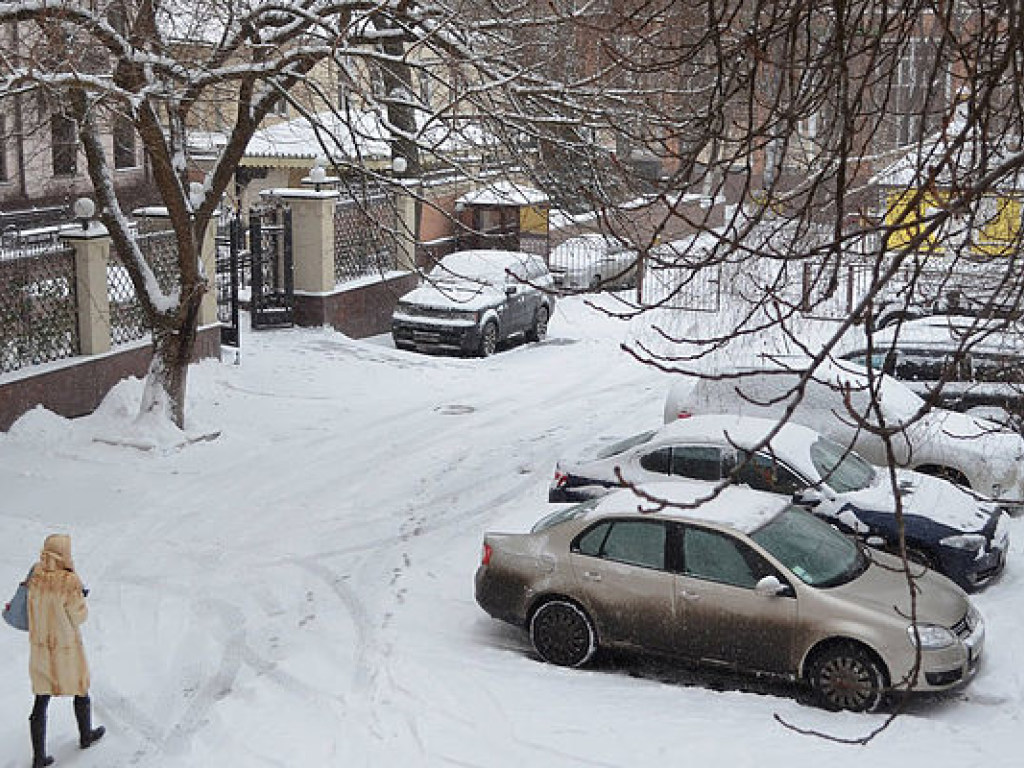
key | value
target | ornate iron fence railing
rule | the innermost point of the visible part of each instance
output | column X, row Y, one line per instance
column 38, row 306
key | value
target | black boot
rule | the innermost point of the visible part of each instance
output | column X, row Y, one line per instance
column 37, row 727
column 87, row 735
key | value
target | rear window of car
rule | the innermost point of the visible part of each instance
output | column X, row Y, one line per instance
column 624, row 445
column 564, row 515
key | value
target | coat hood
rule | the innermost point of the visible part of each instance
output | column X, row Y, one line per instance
column 56, row 554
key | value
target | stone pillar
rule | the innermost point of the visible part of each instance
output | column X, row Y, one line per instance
column 408, row 229
column 92, row 250
column 208, row 264
column 312, row 237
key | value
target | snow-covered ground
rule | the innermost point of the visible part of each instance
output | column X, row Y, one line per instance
column 298, row 590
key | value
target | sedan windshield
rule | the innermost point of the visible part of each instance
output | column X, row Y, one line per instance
column 839, row 468
column 813, row 550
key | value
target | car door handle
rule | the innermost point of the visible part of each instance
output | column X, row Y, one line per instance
column 591, row 576
column 689, row 595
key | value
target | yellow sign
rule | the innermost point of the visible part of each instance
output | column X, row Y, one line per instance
column 533, row 219
column 905, row 214
column 996, row 227
column 1000, row 230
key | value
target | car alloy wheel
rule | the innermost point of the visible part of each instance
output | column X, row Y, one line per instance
column 540, row 325
column 846, row 676
column 489, row 339
column 562, row 634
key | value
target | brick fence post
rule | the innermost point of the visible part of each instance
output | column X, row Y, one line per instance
column 91, row 244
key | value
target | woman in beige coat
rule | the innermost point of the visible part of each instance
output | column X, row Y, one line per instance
column 57, row 665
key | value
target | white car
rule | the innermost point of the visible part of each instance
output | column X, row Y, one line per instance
column 593, row 262
column 973, row 452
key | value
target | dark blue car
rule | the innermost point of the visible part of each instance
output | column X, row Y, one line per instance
column 946, row 527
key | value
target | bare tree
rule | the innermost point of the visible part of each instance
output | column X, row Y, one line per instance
column 170, row 68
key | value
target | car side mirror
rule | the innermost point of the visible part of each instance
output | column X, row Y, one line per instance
column 808, row 497
column 511, row 290
column 770, row 586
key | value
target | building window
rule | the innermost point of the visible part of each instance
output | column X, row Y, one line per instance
column 64, row 143
column 124, row 143
column 921, row 89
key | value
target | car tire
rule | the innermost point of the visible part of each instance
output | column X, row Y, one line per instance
column 595, row 283
column 488, row 339
column 846, row 676
column 563, row 634
column 540, row 325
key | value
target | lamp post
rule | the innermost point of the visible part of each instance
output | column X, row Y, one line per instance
column 318, row 175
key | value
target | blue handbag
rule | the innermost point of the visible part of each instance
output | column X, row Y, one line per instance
column 16, row 611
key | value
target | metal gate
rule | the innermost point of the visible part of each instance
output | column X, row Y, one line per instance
column 273, row 287
column 229, row 243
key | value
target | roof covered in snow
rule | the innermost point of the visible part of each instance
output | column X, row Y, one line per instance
column 504, row 193
column 960, row 153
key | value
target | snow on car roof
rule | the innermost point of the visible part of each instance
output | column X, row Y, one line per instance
column 737, row 507
column 768, row 386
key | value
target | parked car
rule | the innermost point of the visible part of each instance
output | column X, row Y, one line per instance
column 973, row 452
column 592, row 262
column 747, row 579
column 473, row 300
column 945, row 527
column 979, row 364
column 973, row 295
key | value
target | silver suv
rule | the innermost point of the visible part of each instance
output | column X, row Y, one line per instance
column 746, row 579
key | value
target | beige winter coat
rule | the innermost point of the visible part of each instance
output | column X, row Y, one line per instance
column 56, row 608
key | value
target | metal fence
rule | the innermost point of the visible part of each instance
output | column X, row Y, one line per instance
column 365, row 235
column 694, row 289
column 38, row 306
column 39, row 302
column 127, row 320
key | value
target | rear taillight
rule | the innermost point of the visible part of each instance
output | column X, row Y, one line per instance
column 561, row 478
column 486, row 558
column 683, row 415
